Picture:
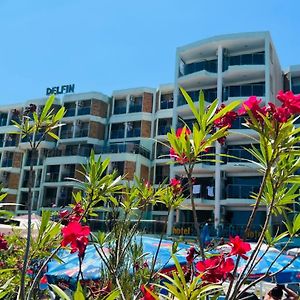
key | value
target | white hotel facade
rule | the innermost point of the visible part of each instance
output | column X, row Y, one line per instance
column 129, row 125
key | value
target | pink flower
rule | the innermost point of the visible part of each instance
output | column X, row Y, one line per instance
column 252, row 104
column 239, row 247
column 289, row 101
column 76, row 235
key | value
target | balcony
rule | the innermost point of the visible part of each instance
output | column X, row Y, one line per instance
column 119, row 110
column 245, row 59
column 3, row 121
column 34, row 161
column 7, row 163
column 135, row 132
column 52, row 177
column 123, row 148
column 82, row 133
column 11, row 143
column 70, row 112
column 66, row 175
column 210, row 96
column 163, row 130
column 135, row 108
column 66, row 134
column 209, row 66
column 246, row 90
column 166, row 104
column 117, row 134
column 240, row 191
column 84, row 111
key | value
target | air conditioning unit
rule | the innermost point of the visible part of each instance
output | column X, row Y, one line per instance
column 131, row 98
column 78, row 122
column 80, row 103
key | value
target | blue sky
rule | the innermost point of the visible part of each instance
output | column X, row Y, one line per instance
column 105, row 45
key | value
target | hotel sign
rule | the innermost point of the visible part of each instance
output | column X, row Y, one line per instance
column 64, row 89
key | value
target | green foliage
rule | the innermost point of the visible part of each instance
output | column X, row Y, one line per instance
column 179, row 288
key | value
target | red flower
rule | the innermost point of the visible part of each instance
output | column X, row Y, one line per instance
column 64, row 213
column 289, row 101
column 3, row 242
column 215, row 269
column 186, row 131
column 253, row 105
column 78, row 209
column 226, row 120
column 239, row 247
column 176, row 186
column 146, row 293
column 76, row 235
column 190, row 255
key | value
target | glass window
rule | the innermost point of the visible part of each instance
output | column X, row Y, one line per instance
column 259, row 58
column 246, row 59
column 235, row 60
column 258, row 90
column 234, row 91
column 246, row 90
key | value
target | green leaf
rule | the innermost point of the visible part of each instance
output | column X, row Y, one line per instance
column 58, row 291
column 190, row 103
column 296, row 224
column 47, row 107
column 112, row 295
column 59, row 115
column 53, row 135
column 78, row 295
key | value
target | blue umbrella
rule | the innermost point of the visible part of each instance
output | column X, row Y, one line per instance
column 92, row 263
column 289, row 275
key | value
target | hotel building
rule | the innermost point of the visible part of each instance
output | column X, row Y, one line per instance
column 130, row 128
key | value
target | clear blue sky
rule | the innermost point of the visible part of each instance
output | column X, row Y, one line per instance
column 104, row 45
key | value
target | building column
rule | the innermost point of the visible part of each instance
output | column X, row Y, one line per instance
column 174, row 125
column 218, row 146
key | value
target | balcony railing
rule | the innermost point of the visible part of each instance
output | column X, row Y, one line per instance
column 119, row 110
column 11, row 143
column 241, row 191
column 82, row 133
column 166, row 104
column 65, row 176
column 123, row 148
column 116, row 134
column 29, row 160
column 135, row 108
column 135, row 132
column 3, row 122
column 163, row 130
column 84, row 111
column 240, row 154
column 7, row 163
column 70, row 112
column 209, row 66
column 52, row 177
column 66, row 134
